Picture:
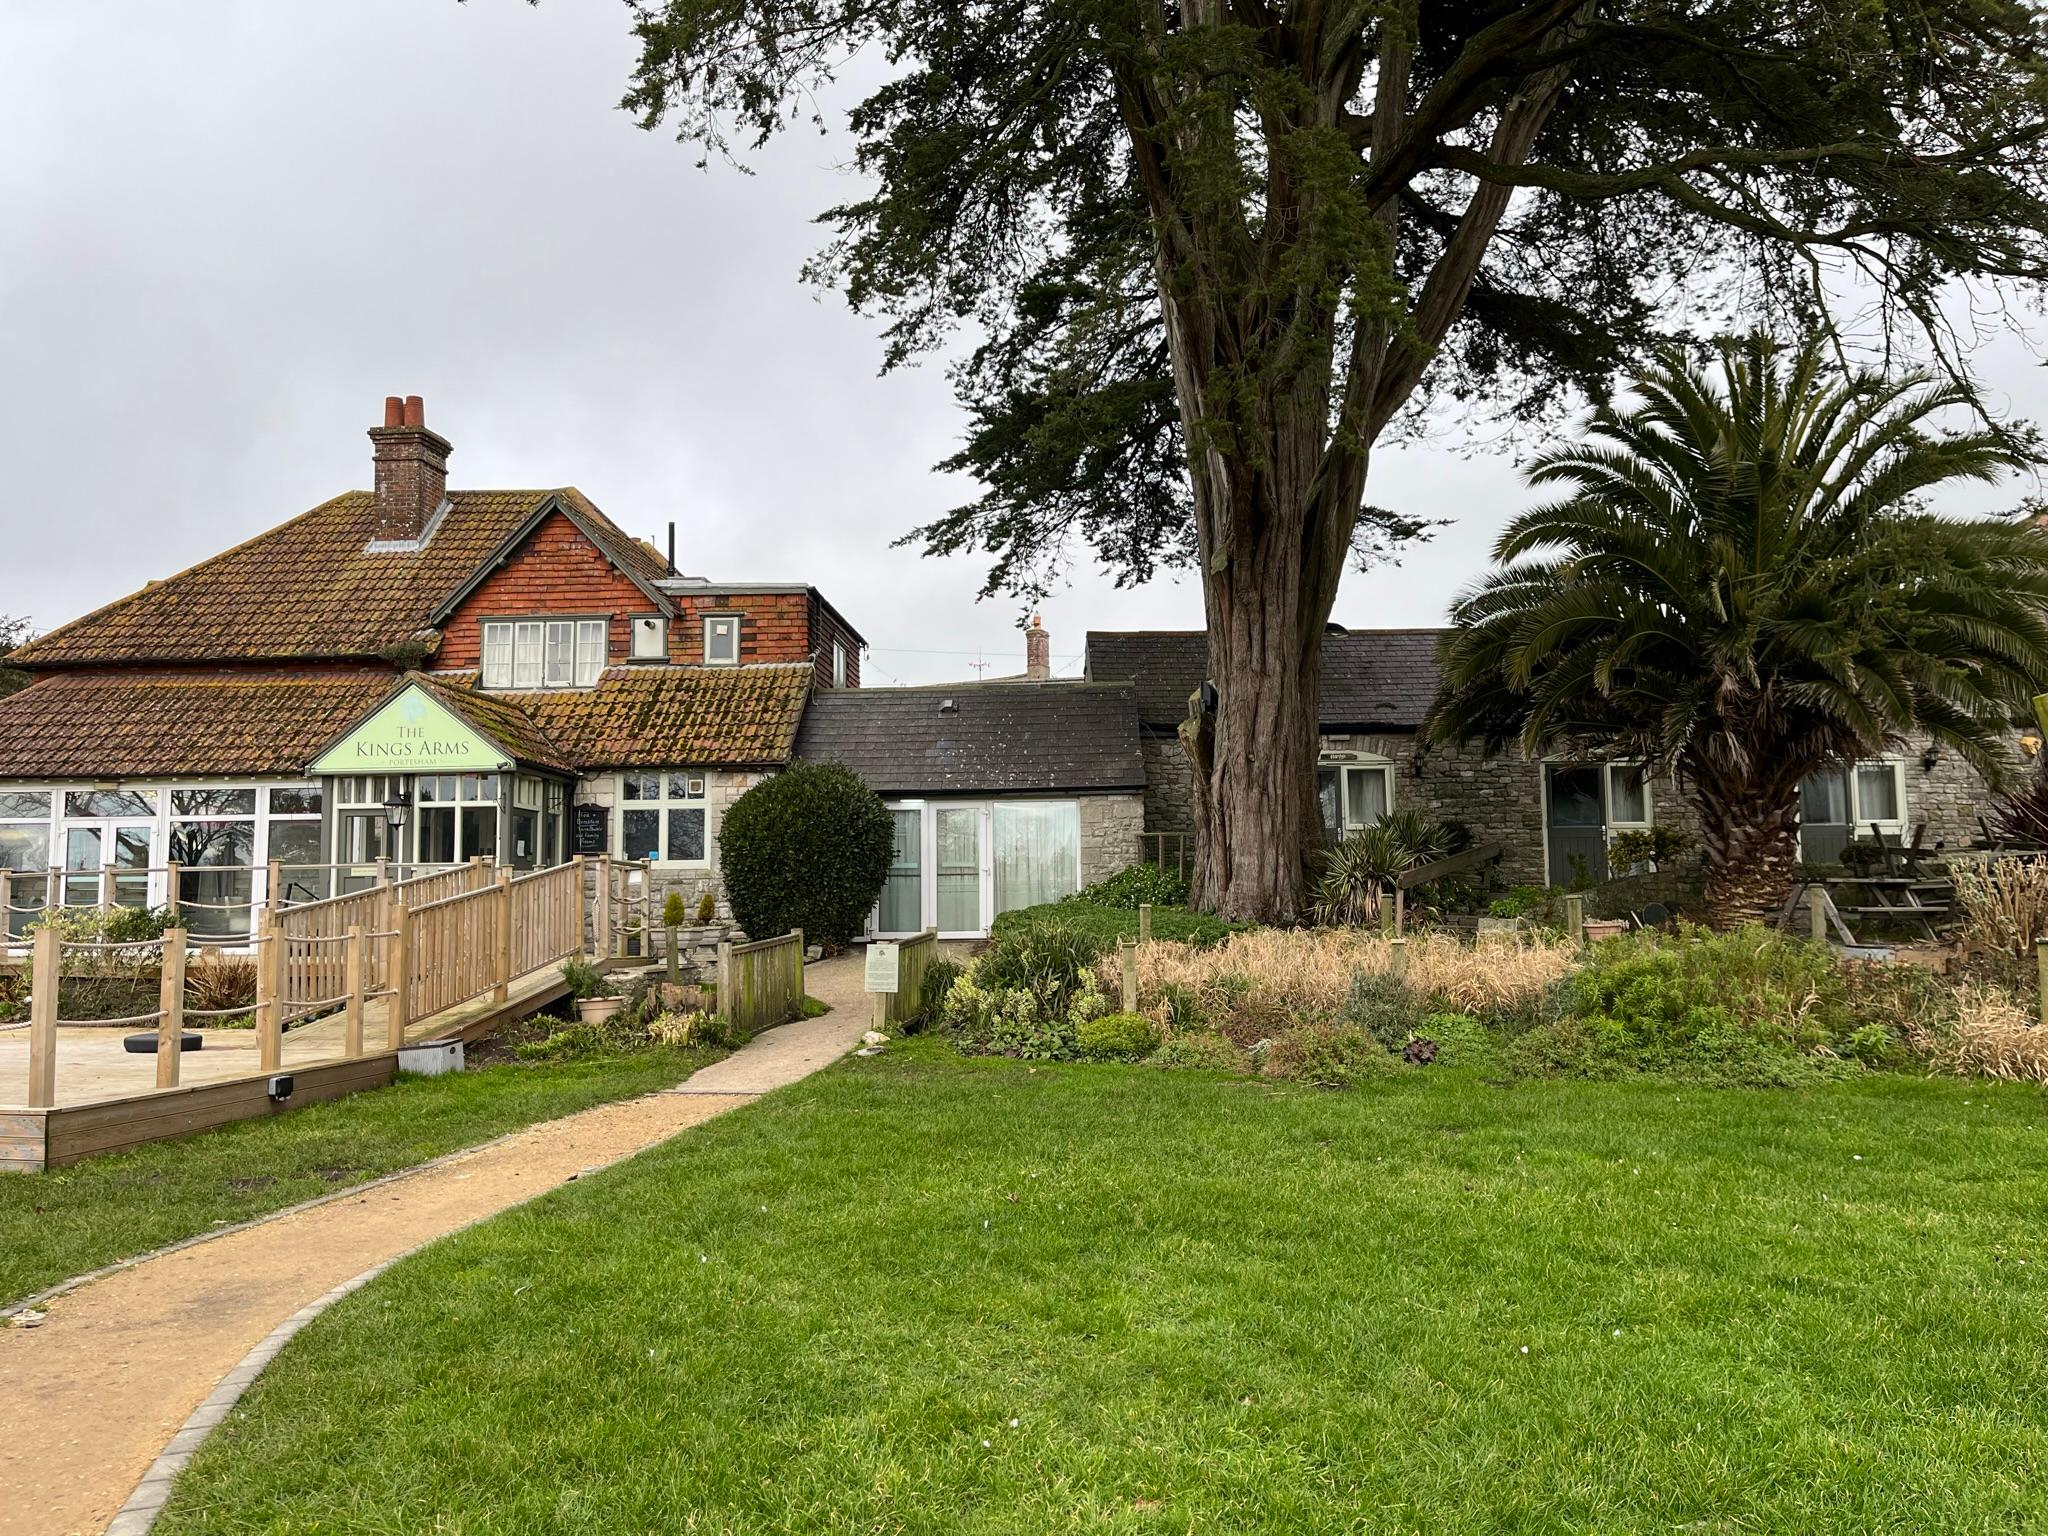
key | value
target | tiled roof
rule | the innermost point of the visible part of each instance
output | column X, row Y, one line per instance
column 995, row 738
column 312, row 587
column 499, row 717
column 669, row 716
column 1373, row 679
column 149, row 724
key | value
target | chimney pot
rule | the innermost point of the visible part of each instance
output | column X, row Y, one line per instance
column 415, row 411
column 394, row 411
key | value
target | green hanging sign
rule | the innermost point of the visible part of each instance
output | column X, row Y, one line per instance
column 413, row 733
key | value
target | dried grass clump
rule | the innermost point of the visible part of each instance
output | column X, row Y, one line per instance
column 1256, row 984
column 215, row 980
column 2004, row 903
column 1996, row 1037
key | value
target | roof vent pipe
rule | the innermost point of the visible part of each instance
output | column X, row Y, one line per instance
column 672, row 547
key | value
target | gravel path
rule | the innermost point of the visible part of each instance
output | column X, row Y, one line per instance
column 116, row 1367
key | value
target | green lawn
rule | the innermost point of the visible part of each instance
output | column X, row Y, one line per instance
column 924, row 1293
column 54, row 1225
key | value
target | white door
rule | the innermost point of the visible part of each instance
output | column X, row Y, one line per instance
column 92, row 845
column 957, row 868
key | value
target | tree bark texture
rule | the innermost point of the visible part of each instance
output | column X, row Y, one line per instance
column 1749, row 832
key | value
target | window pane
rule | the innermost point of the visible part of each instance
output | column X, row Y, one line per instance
column 213, row 802
column 641, row 786
column 25, row 802
column 497, row 655
column 301, row 801
column 649, row 636
column 640, row 834
column 526, row 656
column 1366, row 789
column 902, row 900
column 110, row 802
column 1037, row 849
column 437, row 834
column 590, row 634
column 1575, row 797
column 213, row 842
column 685, row 786
column 1628, row 793
column 721, row 640
column 479, row 832
column 1326, row 795
column 1824, row 798
column 295, row 842
column 959, row 871
column 1877, row 793
column 686, row 834
column 560, row 669
column 24, row 847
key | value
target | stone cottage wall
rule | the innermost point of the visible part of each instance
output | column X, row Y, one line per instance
column 1110, row 825
column 720, row 790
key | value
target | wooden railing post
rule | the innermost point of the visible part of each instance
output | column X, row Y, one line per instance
column 1127, row 955
column 273, row 885
column 1575, row 917
column 383, row 870
column 726, row 976
column 106, row 889
column 269, row 991
column 173, row 878
column 170, row 1003
column 1817, row 912
column 353, row 984
column 503, row 989
column 398, row 1002
column 601, row 909
column 1397, row 959
column 801, row 994
column 1144, row 922
column 44, row 968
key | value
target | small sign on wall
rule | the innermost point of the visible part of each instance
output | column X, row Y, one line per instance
column 881, row 972
column 593, row 829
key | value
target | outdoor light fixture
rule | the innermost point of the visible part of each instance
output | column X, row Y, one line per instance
column 395, row 809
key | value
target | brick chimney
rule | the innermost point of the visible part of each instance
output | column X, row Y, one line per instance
column 412, row 470
column 1037, row 651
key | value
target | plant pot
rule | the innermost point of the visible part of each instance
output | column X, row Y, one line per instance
column 1598, row 928
column 596, row 1010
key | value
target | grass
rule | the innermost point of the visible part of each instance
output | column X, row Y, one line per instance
column 923, row 1293
column 70, row 1220
column 1112, row 923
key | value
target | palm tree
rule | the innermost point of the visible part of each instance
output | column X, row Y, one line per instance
column 1742, row 584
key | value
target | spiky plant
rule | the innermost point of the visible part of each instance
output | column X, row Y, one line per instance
column 1363, row 865
column 1742, row 583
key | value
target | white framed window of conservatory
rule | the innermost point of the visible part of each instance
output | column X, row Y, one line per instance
column 664, row 816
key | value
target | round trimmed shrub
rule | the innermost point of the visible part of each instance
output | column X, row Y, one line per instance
column 1117, row 1037
column 808, row 848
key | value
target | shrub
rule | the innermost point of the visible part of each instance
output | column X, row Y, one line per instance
column 1876, row 1047
column 2005, row 909
column 707, row 908
column 1199, row 1050
column 1117, row 1037
column 1655, row 845
column 808, row 848
column 1136, row 886
column 939, row 976
column 1049, row 960
column 585, row 980
column 216, row 980
column 1027, row 994
column 1383, row 1007
column 569, row 1043
column 680, row 1028
column 1364, row 864
column 1109, row 924
column 673, row 912
column 1328, row 1056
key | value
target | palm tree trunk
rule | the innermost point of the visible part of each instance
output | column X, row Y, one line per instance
column 1750, row 832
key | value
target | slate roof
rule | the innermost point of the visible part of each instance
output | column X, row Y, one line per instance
column 311, row 588
column 1373, row 679
column 166, row 724
column 999, row 738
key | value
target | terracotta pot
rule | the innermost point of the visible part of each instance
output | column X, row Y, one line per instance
column 595, row 1010
column 1598, row 928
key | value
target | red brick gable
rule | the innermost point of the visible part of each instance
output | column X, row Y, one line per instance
column 556, row 571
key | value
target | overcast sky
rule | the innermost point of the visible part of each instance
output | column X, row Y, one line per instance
column 234, row 226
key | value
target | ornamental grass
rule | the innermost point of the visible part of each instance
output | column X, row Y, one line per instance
column 1995, row 1036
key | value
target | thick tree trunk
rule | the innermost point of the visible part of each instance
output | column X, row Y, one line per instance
column 1750, row 833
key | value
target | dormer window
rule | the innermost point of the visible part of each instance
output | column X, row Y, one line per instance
column 722, row 640
column 650, row 638
column 543, row 653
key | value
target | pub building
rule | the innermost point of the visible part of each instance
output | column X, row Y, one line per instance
column 401, row 677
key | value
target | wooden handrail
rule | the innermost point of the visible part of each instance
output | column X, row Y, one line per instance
column 1471, row 858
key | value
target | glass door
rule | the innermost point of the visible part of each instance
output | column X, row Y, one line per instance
column 902, row 905
column 1577, row 824
column 958, row 861
column 1825, row 828
column 90, row 847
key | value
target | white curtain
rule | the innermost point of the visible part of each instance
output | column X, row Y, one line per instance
column 1037, row 849
column 959, row 871
column 902, row 908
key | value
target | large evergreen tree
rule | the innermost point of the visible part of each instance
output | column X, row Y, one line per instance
column 1742, row 584
column 1220, row 249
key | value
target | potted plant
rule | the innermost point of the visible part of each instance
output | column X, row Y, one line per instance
column 707, row 909
column 596, row 999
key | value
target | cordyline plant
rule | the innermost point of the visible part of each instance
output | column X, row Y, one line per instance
column 1217, row 251
column 1740, row 585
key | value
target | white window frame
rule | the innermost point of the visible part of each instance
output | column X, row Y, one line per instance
column 1343, row 768
column 543, row 654
column 696, row 796
column 722, row 624
column 1608, row 825
column 1860, row 823
column 928, row 857
column 838, row 664
column 649, row 642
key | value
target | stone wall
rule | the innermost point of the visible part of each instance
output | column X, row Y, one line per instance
column 1110, row 825
column 720, row 790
